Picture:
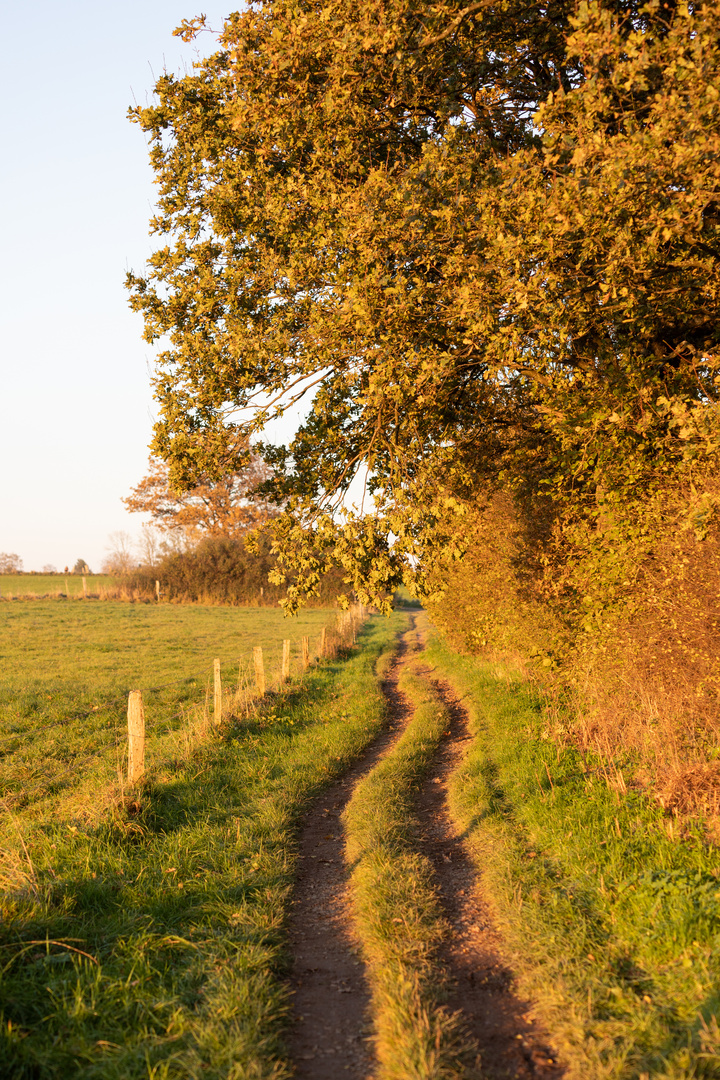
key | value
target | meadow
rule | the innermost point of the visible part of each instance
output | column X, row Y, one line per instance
column 149, row 943
column 20, row 585
column 66, row 670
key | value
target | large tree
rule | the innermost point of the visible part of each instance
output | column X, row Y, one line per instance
column 482, row 236
column 229, row 507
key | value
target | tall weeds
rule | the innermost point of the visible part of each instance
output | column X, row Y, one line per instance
column 617, row 622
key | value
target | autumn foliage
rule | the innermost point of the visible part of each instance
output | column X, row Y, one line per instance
column 228, row 508
column 483, row 239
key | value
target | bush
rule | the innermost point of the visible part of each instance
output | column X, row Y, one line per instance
column 616, row 618
column 222, row 570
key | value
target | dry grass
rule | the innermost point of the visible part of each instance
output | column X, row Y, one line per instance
column 649, row 688
column 691, row 788
column 621, row 635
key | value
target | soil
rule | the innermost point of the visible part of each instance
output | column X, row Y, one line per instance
column 330, row 1034
column 496, row 1021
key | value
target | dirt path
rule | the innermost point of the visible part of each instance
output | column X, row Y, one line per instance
column 330, row 1032
column 494, row 1018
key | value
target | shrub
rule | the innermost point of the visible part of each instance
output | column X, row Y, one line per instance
column 222, row 570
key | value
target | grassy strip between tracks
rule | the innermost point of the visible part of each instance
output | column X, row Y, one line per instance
column 395, row 908
column 611, row 920
column 151, row 945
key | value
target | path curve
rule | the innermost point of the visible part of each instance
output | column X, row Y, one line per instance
column 330, row 1033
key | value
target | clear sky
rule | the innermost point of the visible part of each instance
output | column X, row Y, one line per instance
column 76, row 408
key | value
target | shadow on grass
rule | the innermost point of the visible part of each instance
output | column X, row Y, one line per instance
column 150, row 946
column 140, row 923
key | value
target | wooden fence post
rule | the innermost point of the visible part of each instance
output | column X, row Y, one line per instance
column 84, row 587
column 157, row 591
column 217, row 698
column 259, row 670
column 322, row 642
column 286, row 661
column 305, row 653
column 136, row 736
column 67, row 589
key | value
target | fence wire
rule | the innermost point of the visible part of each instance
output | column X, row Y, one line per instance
column 185, row 721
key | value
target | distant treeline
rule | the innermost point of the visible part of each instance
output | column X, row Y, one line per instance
column 223, row 570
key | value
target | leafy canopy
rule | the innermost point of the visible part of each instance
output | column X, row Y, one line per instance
column 482, row 237
column 226, row 508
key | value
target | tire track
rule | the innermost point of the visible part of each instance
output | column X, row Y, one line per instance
column 495, row 1020
column 330, row 1032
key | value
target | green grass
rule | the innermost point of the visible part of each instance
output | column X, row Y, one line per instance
column 397, row 918
column 66, row 670
column 612, row 921
column 403, row 600
column 18, row 585
column 144, row 938
column 180, row 903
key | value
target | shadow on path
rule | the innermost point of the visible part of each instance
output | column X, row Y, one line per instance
column 330, row 1034
column 481, row 987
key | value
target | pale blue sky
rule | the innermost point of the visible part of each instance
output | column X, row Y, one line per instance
column 77, row 193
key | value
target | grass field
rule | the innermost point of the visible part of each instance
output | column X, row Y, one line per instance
column 610, row 908
column 149, row 945
column 18, row 585
column 65, row 672
column 143, row 936
column 397, row 915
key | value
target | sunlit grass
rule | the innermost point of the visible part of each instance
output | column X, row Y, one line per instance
column 19, row 585
column 397, row 916
column 611, row 917
column 178, row 904
column 65, row 673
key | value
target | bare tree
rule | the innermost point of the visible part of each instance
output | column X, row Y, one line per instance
column 120, row 558
column 150, row 545
column 10, row 563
